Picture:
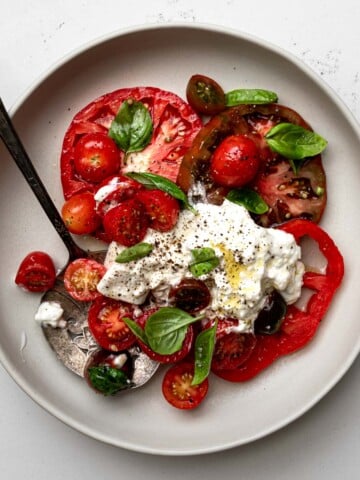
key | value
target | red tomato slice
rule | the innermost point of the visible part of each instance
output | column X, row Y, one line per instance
column 175, row 124
column 177, row 388
column 174, row 357
column 106, row 324
column 36, row 272
column 162, row 209
column 81, row 278
column 288, row 195
column 126, row 223
column 299, row 326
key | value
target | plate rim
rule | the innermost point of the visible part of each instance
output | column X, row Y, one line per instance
column 266, row 45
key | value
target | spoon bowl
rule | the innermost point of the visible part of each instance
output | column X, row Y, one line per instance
column 72, row 342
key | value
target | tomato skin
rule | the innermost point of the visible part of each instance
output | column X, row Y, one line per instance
column 106, row 324
column 299, row 326
column 205, row 95
column 96, row 157
column 235, row 162
column 114, row 190
column 177, row 388
column 231, row 349
column 126, row 223
column 79, row 214
column 81, row 278
column 162, row 209
column 174, row 357
column 36, row 272
column 175, row 125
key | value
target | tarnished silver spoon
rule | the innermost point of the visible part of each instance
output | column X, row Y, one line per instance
column 72, row 344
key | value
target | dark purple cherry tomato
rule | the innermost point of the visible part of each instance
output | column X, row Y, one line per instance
column 191, row 295
column 205, row 95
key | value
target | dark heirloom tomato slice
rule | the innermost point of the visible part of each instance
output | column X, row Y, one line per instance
column 126, row 223
column 174, row 126
column 106, row 324
column 177, row 388
column 299, row 326
column 288, row 195
column 81, row 278
column 232, row 348
column 161, row 208
column 36, row 272
column 172, row 358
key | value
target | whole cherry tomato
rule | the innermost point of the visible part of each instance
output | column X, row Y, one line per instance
column 79, row 214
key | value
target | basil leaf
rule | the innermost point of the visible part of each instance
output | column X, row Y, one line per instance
column 151, row 180
column 135, row 252
column 249, row 199
column 136, row 329
column 294, row 142
column 108, row 380
column 132, row 126
column 204, row 349
column 252, row 96
column 205, row 260
column 165, row 329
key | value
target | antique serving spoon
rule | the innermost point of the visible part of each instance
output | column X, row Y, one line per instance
column 72, row 344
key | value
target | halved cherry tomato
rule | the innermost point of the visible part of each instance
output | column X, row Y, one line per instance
column 174, row 357
column 106, row 324
column 299, row 326
column 36, row 272
column 114, row 190
column 96, row 156
column 191, row 295
column 162, row 209
column 175, row 124
column 177, row 388
column 205, row 95
column 235, row 161
column 81, row 278
column 126, row 223
column 232, row 348
column 288, row 195
column 79, row 214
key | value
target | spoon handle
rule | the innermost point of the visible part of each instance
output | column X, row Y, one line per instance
column 22, row 160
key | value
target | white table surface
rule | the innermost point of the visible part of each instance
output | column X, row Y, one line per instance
column 325, row 442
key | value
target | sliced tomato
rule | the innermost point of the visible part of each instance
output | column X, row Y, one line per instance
column 79, row 215
column 287, row 195
column 191, row 295
column 114, row 190
column 81, row 278
column 172, row 358
column 175, row 124
column 106, row 324
column 36, row 272
column 299, row 326
column 205, row 95
column 162, row 209
column 232, row 348
column 96, row 156
column 126, row 223
column 177, row 388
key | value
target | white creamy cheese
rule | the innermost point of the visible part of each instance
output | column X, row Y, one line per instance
column 253, row 261
column 50, row 314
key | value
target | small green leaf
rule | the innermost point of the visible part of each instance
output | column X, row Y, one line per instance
column 295, row 142
column 204, row 261
column 108, row 380
column 132, row 126
column 136, row 329
column 249, row 96
column 204, row 349
column 165, row 329
column 151, row 180
column 135, row 252
column 249, row 199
